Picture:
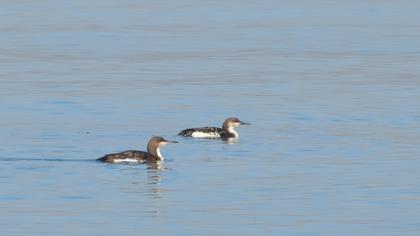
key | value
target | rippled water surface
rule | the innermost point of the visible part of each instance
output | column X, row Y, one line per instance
column 332, row 89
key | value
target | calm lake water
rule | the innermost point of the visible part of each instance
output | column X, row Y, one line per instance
column 332, row 89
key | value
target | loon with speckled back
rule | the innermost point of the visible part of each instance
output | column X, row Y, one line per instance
column 152, row 155
column 227, row 131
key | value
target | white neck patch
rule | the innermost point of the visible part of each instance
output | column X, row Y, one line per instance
column 231, row 129
column 158, row 153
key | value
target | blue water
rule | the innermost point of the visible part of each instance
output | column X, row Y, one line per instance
column 332, row 90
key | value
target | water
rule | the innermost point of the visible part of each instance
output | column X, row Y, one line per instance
column 331, row 89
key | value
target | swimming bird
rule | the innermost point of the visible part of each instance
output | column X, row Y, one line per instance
column 227, row 131
column 152, row 155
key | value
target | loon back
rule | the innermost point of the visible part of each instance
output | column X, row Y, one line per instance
column 205, row 132
column 129, row 156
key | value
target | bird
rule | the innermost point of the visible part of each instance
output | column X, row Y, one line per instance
column 133, row 156
column 226, row 132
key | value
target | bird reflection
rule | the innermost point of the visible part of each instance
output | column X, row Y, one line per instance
column 154, row 179
column 230, row 140
column 159, row 165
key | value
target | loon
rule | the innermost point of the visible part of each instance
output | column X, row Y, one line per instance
column 227, row 131
column 152, row 155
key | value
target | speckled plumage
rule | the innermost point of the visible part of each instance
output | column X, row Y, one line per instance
column 190, row 132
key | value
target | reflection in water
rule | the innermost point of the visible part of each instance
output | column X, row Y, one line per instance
column 151, row 186
column 230, row 140
column 154, row 179
column 155, row 165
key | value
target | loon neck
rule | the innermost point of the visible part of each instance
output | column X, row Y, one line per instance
column 231, row 130
column 155, row 151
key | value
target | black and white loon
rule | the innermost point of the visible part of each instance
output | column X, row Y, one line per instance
column 227, row 131
column 152, row 155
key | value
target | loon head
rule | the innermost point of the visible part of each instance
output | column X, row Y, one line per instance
column 231, row 123
column 154, row 145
